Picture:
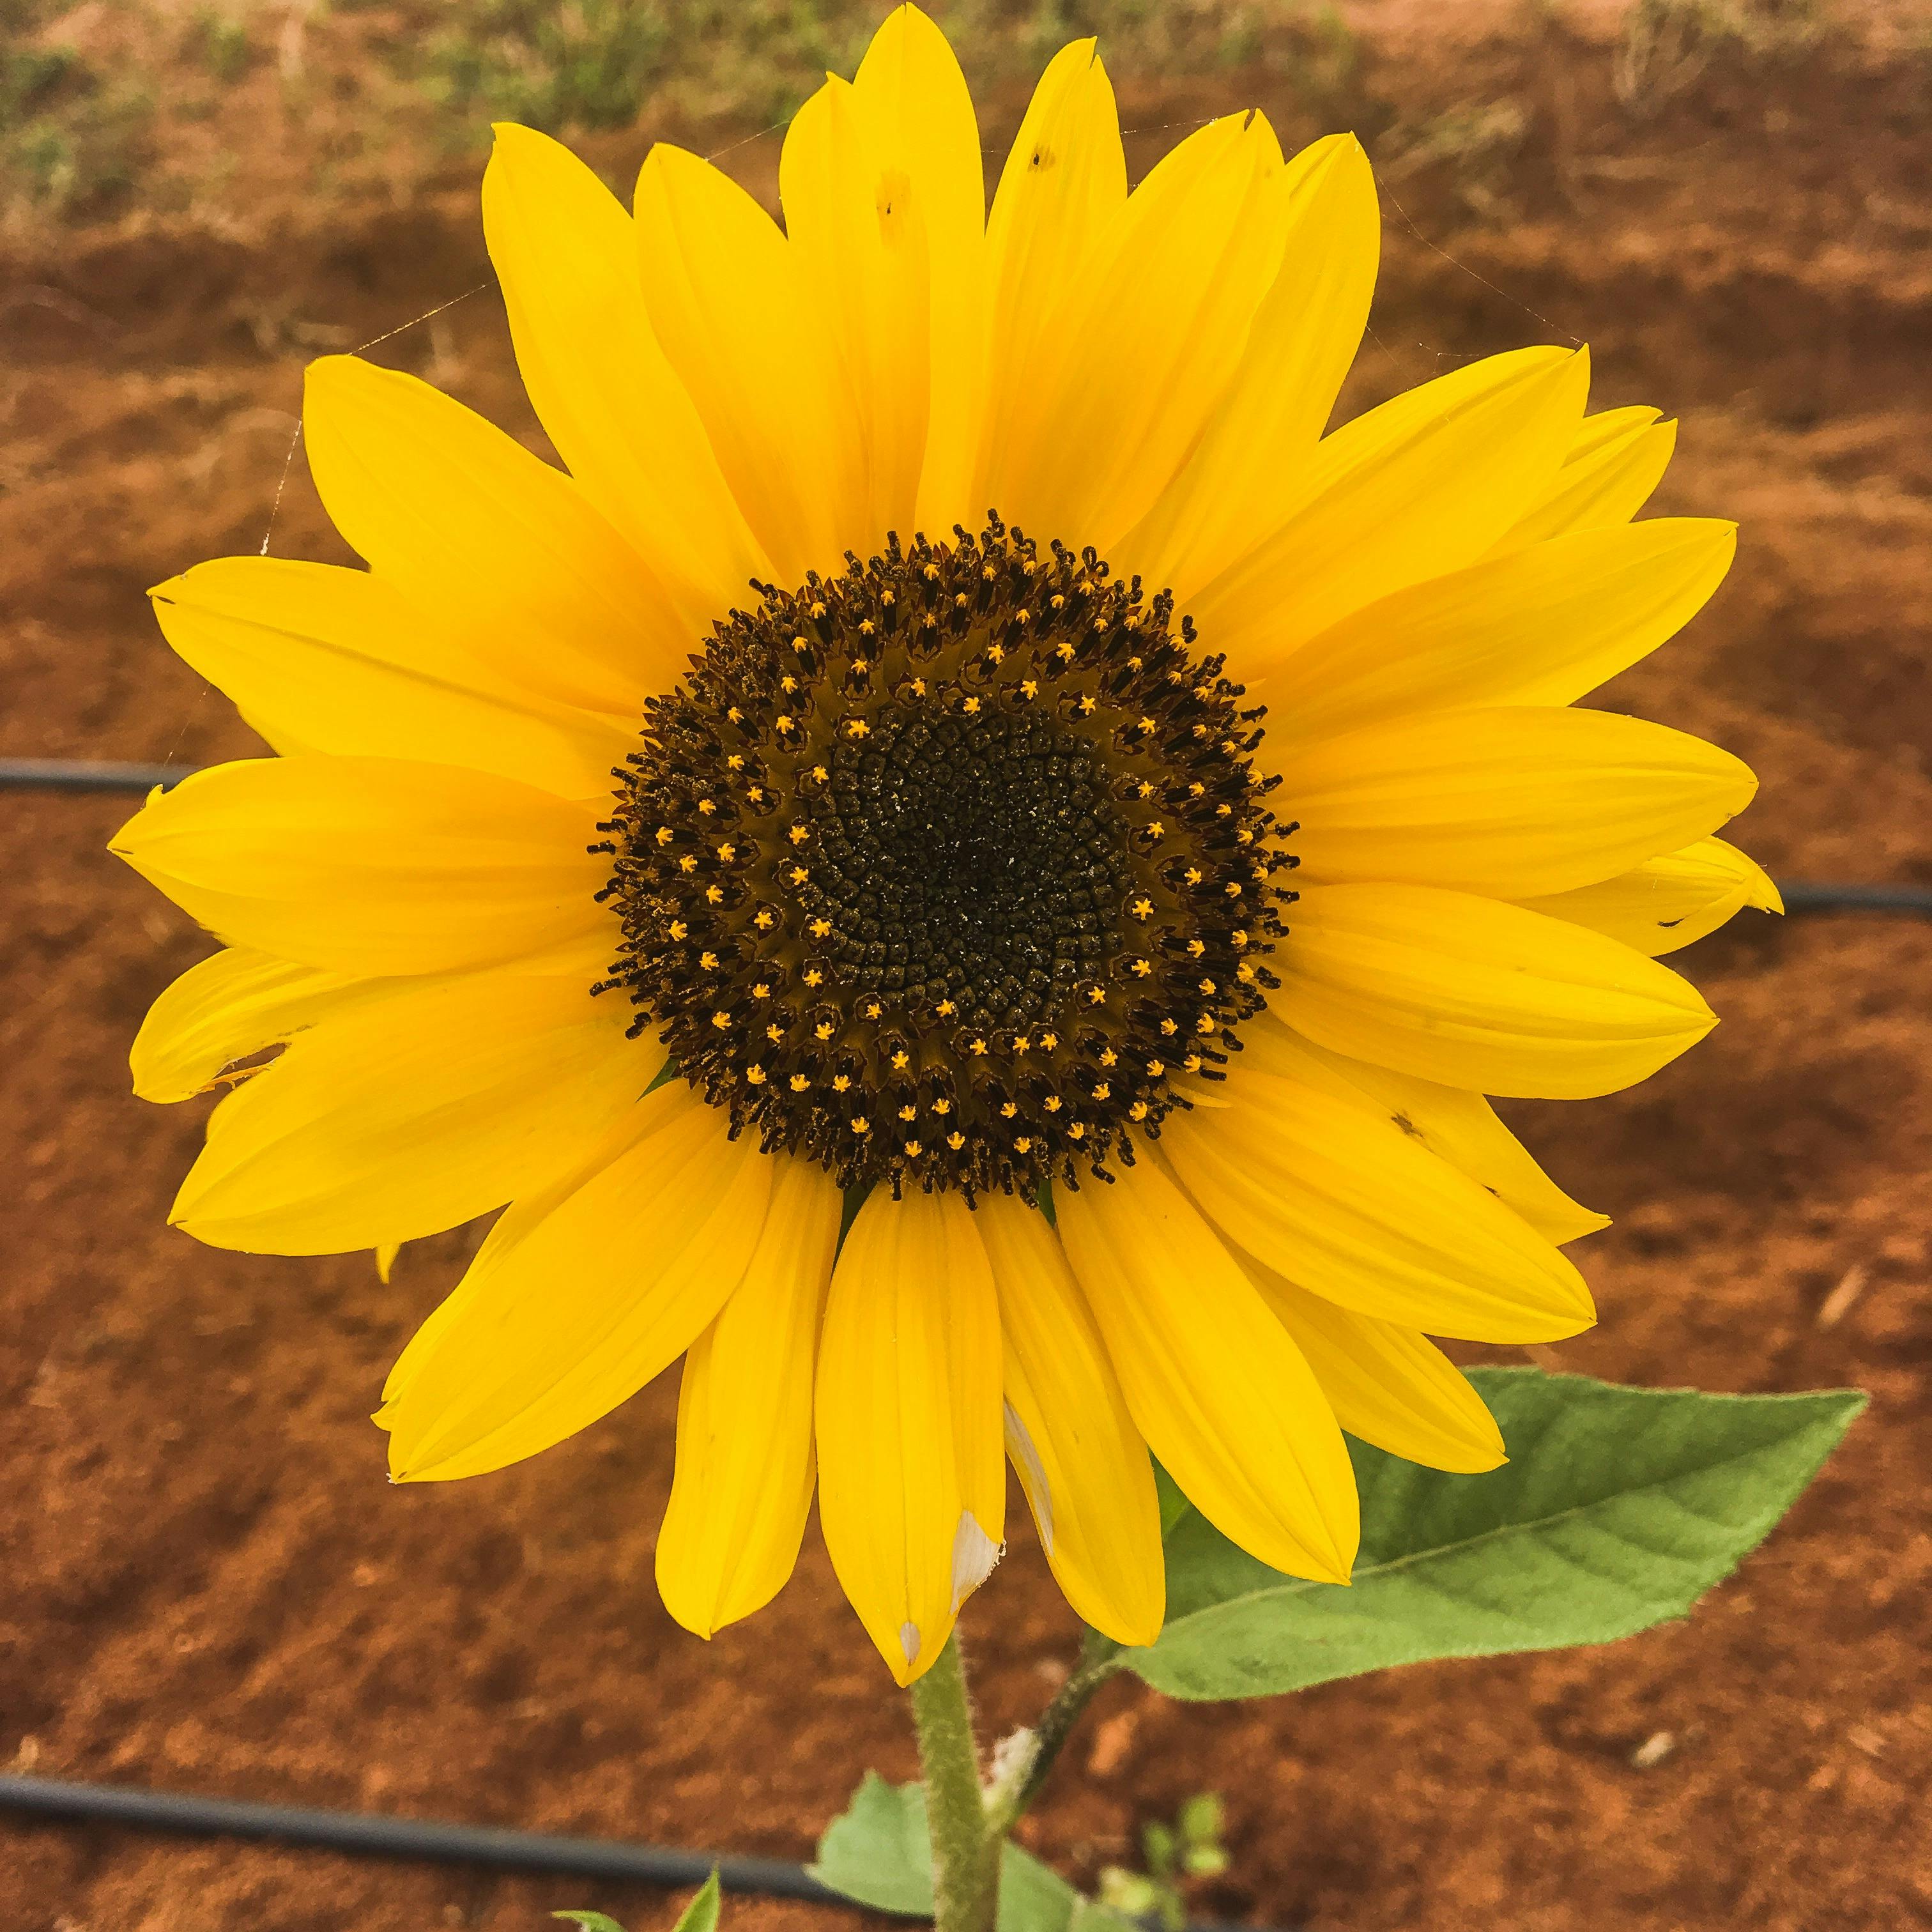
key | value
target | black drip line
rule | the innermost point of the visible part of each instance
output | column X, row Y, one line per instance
column 90, row 774
column 367, row 1835
column 87, row 775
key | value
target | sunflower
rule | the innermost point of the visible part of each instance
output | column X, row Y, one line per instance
column 960, row 865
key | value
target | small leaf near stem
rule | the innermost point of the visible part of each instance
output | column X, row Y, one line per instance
column 965, row 1848
column 700, row 1915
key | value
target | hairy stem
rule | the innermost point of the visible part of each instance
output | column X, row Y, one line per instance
column 965, row 1847
column 1100, row 1659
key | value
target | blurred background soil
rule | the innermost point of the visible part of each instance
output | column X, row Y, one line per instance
column 205, row 1582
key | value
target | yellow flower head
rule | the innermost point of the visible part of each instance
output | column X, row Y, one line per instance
column 956, row 726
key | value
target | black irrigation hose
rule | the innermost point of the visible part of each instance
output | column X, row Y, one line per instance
column 362, row 1835
column 367, row 1836
column 86, row 775
column 1799, row 897
column 101, row 775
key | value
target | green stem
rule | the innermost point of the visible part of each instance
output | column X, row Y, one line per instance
column 1100, row 1658
column 965, row 1849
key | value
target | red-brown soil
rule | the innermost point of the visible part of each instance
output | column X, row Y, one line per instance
column 208, row 1585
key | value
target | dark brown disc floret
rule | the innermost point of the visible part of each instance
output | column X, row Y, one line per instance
column 941, row 872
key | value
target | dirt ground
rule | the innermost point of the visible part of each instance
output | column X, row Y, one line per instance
column 204, row 1582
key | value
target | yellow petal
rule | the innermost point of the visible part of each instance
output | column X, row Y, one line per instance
column 1421, row 486
column 323, row 659
column 858, row 234
column 566, row 256
column 1618, row 458
column 372, row 865
column 721, row 286
column 665, row 1101
column 1247, row 472
column 1669, row 901
column 1146, row 342
column 1604, row 429
column 411, row 1113
column 385, row 1260
column 465, row 522
column 914, row 102
column 1453, row 1123
column 1223, row 1396
column 1542, row 625
column 1475, row 993
column 1512, row 801
column 912, row 1483
column 745, row 1463
column 1348, row 1206
column 228, row 1009
column 1081, row 1460
column 581, row 1294
column 1390, row 1385
column 1064, row 183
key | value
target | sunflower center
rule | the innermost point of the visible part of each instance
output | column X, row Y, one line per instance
column 941, row 870
column 974, row 860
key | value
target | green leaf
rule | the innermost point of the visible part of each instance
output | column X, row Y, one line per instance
column 1618, row 1509
column 1131, row 1893
column 879, row 1853
column 1200, row 1819
column 1157, row 1848
column 700, row 1915
column 1089, row 1915
column 1033, row 1897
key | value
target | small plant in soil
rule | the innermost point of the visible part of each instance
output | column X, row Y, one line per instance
column 1173, row 1856
column 700, row 1915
